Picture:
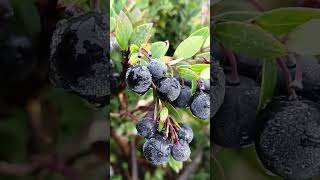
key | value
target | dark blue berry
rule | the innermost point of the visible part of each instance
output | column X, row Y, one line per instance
column 158, row 69
column 138, row 79
column 185, row 133
column 168, row 89
column 235, row 122
column 288, row 141
column 184, row 97
column 200, row 105
column 181, row 151
column 79, row 59
column 146, row 127
column 157, row 150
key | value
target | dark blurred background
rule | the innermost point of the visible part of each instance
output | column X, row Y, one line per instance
column 45, row 133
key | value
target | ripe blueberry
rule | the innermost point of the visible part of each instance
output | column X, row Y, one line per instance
column 157, row 150
column 79, row 59
column 310, row 78
column 200, row 105
column 158, row 69
column 288, row 141
column 217, row 85
column 146, row 127
column 184, row 98
column 168, row 89
column 138, row 79
column 185, row 133
column 234, row 124
column 181, row 151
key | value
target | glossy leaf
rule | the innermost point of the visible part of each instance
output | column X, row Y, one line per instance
column 249, row 40
column 283, row 20
column 305, row 39
column 175, row 165
column 159, row 49
column 187, row 73
column 269, row 82
column 141, row 34
column 240, row 16
column 189, row 47
column 173, row 112
column 123, row 30
column 199, row 67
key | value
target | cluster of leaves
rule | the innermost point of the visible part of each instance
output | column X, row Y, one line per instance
column 190, row 59
column 268, row 36
column 186, row 15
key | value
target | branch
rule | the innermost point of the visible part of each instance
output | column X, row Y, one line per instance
column 134, row 167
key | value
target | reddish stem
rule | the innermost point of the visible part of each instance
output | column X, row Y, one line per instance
column 287, row 76
column 233, row 78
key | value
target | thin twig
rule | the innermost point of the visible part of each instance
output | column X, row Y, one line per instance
column 134, row 167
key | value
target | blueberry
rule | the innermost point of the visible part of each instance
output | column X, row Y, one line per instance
column 146, row 127
column 235, row 122
column 184, row 97
column 158, row 69
column 217, row 86
column 79, row 59
column 183, row 81
column 185, row 133
column 181, row 151
column 200, row 105
column 310, row 78
column 168, row 89
column 157, row 150
column 288, row 141
column 138, row 79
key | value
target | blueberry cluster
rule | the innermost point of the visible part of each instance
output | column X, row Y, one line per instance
column 79, row 60
column 175, row 90
column 159, row 145
column 285, row 133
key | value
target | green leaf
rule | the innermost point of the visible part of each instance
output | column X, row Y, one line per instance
column 187, row 73
column 207, row 42
column 113, row 22
column 175, row 165
column 305, row 39
column 134, row 59
column 194, row 86
column 163, row 116
column 205, row 74
column 141, row 34
column 283, row 20
column 123, row 30
column 240, row 16
column 173, row 62
column 202, row 32
column 189, row 47
column 159, row 49
column 249, row 40
column 269, row 82
column 199, row 67
column 173, row 111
